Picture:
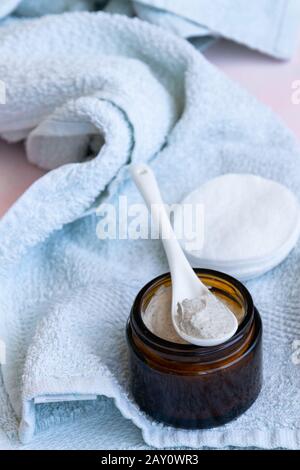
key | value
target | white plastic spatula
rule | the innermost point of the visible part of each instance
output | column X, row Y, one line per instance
column 185, row 283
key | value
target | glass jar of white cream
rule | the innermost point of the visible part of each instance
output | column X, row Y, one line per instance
column 189, row 386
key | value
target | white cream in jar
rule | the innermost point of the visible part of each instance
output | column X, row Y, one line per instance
column 157, row 316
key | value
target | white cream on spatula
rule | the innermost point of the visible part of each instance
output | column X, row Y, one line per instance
column 197, row 315
column 205, row 317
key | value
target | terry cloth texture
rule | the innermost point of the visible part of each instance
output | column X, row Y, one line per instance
column 91, row 93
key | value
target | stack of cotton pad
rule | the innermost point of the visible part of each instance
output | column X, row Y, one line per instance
column 250, row 224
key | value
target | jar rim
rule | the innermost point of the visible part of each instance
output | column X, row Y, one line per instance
column 190, row 350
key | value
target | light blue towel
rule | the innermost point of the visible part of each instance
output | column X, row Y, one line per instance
column 270, row 26
column 7, row 7
column 30, row 8
column 23, row 9
column 131, row 92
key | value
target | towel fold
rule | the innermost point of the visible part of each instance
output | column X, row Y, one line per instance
column 31, row 8
column 7, row 7
column 121, row 90
column 165, row 17
column 270, row 26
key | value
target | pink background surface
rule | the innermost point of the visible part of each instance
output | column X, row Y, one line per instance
column 269, row 80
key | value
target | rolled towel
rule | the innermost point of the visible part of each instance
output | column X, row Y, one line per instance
column 62, row 103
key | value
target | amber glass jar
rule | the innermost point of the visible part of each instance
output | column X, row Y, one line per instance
column 195, row 387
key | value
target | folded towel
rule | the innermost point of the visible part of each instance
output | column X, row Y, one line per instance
column 121, row 7
column 121, row 90
column 161, row 16
column 32, row 8
column 270, row 26
column 199, row 36
column 8, row 6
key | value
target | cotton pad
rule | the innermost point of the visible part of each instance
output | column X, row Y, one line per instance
column 250, row 224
